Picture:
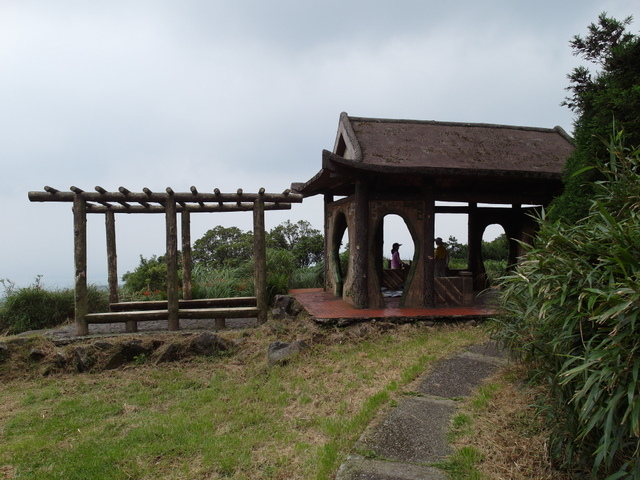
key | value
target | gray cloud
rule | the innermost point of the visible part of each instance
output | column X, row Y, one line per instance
column 244, row 94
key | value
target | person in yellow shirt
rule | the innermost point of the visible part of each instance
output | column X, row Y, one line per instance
column 442, row 259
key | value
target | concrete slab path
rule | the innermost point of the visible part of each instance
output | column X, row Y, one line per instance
column 413, row 436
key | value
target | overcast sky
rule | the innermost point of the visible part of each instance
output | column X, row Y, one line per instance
column 244, row 94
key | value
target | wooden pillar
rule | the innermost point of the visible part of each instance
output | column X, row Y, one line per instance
column 475, row 248
column 172, row 263
column 360, row 250
column 513, row 232
column 187, row 263
column 328, row 244
column 260, row 259
column 112, row 256
column 428, row 235
column 81, row 298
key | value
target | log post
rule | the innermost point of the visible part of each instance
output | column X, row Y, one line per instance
column 360, row 251
column 328, row 199
column 429, row 234
column 112, row 256
column 260, row 260
column 81, row 298
column 172, row 264
column 186, row 255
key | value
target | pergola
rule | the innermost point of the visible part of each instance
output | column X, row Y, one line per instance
column 384, row 166
column 170, row 204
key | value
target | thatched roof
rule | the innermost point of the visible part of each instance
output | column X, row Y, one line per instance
column 463, row 161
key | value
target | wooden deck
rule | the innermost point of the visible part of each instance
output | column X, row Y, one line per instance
column 324, row 305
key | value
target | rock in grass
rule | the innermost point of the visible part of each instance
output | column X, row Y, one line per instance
column 208, row 344
column 281, row 352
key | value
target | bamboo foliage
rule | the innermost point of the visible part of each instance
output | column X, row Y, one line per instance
column 571, row 311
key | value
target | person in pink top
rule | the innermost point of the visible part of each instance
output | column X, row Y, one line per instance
column 395, row 256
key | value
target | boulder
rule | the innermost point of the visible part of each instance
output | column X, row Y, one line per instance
column 127, row 352
column 285, row 306
column 281, row 352
column 169, row 352
column 83, row 359
column 208, row 344
column 37, row 354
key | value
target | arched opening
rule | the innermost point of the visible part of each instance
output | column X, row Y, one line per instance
column 340, row 252
column 395, row 277
column 495, row 252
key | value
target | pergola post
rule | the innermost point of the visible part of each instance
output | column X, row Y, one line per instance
column 112, row 256
column 81, row 298
column 260, row 259
column 172, row 264
column 186, row 255
column 360, row 250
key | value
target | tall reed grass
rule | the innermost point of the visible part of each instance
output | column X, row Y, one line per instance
column 572, row 313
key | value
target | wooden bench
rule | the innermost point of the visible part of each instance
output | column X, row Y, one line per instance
column 216, row 308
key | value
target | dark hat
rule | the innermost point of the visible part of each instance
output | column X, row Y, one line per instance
column 396, row 245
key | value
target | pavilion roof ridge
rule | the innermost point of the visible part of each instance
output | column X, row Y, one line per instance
column 556, row 128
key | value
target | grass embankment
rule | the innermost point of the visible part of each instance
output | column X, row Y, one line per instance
column 229, row 417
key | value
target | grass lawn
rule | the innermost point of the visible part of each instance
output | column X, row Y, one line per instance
column 228, row 417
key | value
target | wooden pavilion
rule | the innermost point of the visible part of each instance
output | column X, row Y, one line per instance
column 382, row 166
column 170, row 204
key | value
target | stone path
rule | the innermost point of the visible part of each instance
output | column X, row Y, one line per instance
column 413, row 435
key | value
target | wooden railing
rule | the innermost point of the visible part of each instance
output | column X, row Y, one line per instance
column 218, row 309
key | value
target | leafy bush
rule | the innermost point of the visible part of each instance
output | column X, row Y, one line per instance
column 35, row 308
column 308, row 277
column 222, row 283
column 572, row 312
column 494, row 270
column 280, row 267
column 148, row 278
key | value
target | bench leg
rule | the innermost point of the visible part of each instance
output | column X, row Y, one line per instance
column 220, row 323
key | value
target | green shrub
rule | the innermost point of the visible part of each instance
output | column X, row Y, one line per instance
column 572, row 312
column 308, row 277
column 35, row 308
column 149, row 277
column 222, row 282
column 494, row 270
column 281, row 264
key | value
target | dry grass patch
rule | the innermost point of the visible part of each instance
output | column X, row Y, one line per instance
column 500, row 423
column 230, row 417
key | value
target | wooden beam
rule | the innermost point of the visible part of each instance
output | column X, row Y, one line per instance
column 185, row 304
column 194, row 208
column 161, row 197
column 164, row 314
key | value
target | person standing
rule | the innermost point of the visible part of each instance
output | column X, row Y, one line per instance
column 395, row 256
column 442, row 259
